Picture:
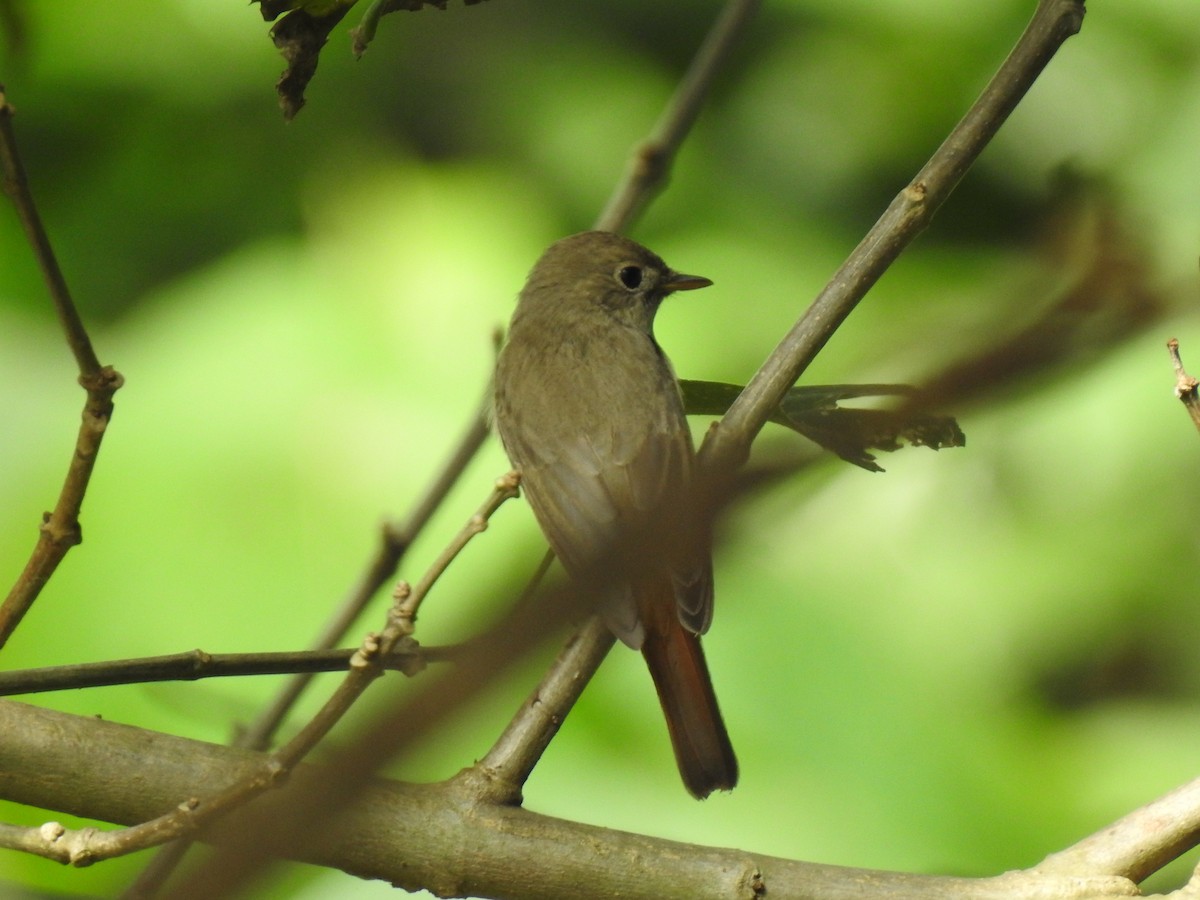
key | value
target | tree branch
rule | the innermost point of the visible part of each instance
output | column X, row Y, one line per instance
column 16, row 185
column 396, row 538
column 506, row 767
column 60, row 530
column 1185, row 385
column 1138, row 844
column 727, row 444
column 193, row 665
column 413, row 836
column 650, row 165
column 197, row 812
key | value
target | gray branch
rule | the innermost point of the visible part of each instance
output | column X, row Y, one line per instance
column 437, row 836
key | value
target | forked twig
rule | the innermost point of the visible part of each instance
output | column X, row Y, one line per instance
column 409, row 599
column 395, row 539
column 83, row 847
column 1185, row 385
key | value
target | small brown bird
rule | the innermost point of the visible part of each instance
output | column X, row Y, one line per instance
column 589, row 411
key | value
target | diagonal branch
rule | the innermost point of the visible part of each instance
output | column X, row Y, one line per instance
column 727, row 444
column 650, row 165
column 196, row 812
column 16, row 185
column 1138, row 844
column 512, row 758
column 396, row 538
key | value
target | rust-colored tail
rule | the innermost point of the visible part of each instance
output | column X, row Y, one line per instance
column 702, row 749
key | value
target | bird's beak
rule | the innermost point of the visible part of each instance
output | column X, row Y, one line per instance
column 678, row 282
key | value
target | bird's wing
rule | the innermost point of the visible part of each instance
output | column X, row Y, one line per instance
column 608, row 477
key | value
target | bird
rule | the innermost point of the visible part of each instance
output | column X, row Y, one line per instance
column 590, row 413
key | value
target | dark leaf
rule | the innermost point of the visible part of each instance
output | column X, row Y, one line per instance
column 852, row 433
column 304, row 31
column 272, row 9
column 300, row 35
column 813, row 411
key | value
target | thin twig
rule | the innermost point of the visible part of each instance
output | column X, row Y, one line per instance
column 506, row 487
column 650, row 165
column 16, row 185
column 488, row 658
column 395, row 539
column 727, row 444
column 394, row 543
column 1185, row 385
column 193, row 665
column 60, row 530
column 90, row 845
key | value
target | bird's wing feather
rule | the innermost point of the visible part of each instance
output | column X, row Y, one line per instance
column 606, row 475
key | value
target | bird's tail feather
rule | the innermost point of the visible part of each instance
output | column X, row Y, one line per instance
column 702, row 748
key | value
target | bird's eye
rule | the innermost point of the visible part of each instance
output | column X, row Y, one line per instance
column 630, row 276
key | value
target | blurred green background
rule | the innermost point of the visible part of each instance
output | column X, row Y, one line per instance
column 958, row 666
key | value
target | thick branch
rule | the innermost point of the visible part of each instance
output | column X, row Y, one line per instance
column 414, row 836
